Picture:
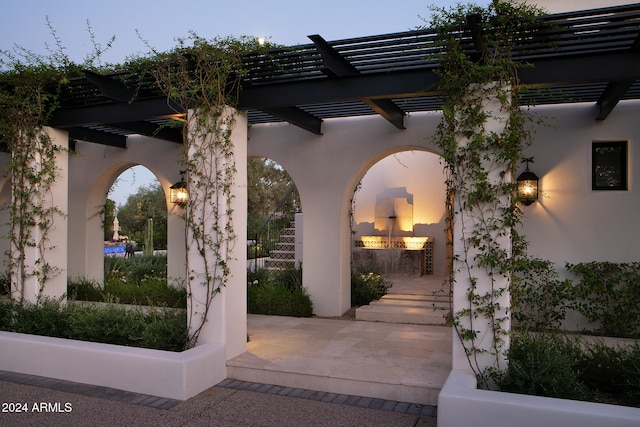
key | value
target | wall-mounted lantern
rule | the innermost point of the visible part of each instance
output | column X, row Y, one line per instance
column 178, row 193
column 527, row 185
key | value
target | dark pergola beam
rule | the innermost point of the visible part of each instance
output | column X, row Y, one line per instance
column 335, row 65
column 111, row 88
column 297, row 117
column 104, row 138
column 558, row 71
column 562, row 70
column 474, row 23
column 572, row 70
column 614, row 91
column 399, row 84
column 145, row 109
column 151, row 130
column 387, row 109
column 610, row 97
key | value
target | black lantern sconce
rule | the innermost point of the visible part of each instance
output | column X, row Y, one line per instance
column 527, row 185
column 178, row 193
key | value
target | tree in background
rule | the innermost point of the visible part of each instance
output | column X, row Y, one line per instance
column 109, row 215
column 268, row 183
column 147, row 202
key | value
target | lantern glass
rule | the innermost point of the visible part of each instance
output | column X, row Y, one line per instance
column 178, row 193
column 528, row 187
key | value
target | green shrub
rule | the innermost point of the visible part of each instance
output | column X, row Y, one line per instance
column 278, row 300
column 149, row 291
column 84, row 290
column 543, row 365
column 557, row 365
column 48, row 318
column 110, row 324
column 162, row 329
column 612, row 371
column 539, row 299
column 258, row 276
column 367, row 285
column 290, row 278
column 135, row 269
column 165, row 330
column 278, row 293
column 608, row 295
column 6, row 315
column 5, row 283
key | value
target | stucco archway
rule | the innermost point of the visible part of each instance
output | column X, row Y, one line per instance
column 419, row 175
column 326, row 169
column 273, row 205
column 93, row 170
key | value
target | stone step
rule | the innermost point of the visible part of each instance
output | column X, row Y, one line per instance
column 287, row 247
column 440, row 298
column 240, row 368
column 282, row 254
column 397, row 314
column 437, row 305
column 274, row 264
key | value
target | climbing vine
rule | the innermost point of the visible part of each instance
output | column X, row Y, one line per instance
column 482, row 135
column 205, row 76
column 28, row 95
column 30, row 88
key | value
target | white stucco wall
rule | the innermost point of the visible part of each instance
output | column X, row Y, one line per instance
column 326, row 170
column 571, row 222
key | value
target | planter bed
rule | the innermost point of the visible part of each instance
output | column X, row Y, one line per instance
column 461, row 403
column 154, row 372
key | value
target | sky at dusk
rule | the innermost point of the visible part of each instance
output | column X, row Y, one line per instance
column 285, row 22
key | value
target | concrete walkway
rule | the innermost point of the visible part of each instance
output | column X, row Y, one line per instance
column 388, row 361
column 296, row 372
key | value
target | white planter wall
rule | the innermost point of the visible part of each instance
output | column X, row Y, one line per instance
column 140, row 370
column 460, row 403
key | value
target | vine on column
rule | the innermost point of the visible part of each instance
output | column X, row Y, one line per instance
column 480, row 161
column 205, row 78
column 28, row 95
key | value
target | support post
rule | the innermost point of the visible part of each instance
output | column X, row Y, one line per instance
column 226, row 319
column 39, row 257
column 471, row 281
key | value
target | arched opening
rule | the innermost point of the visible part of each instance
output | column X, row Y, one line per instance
column 136, row 206
column 273, row 203
column 135, row 225
column 398, row 207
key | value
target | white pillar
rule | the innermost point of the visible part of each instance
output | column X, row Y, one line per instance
column 326, row 265
column 226, row 320
column 298, row 240
column 463, row 228
column 49, row 247
column 176, row 251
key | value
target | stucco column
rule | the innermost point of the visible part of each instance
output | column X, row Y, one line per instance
column 226, row 321
column 326, row 250
column 176, row 251
column 464, row 225
column 48, row 246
